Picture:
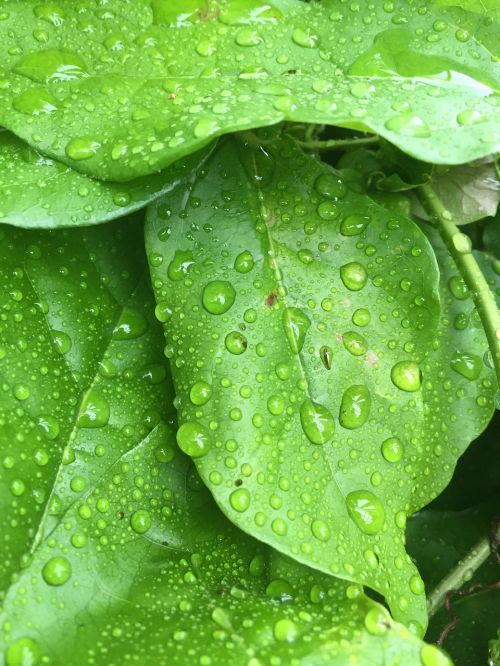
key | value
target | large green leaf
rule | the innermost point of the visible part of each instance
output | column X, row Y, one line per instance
column 495, row 650
column 122, row 90
column 115, row 550
column 39, row 192
column 438, row 540
column 298, row 318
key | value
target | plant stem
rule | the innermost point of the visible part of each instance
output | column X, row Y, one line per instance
column 333, row 144
column 460, row 574
column 469, row 269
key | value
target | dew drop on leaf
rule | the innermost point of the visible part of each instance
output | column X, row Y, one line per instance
column 56, row 571
column 366, row 510
column 194, row 439
column 218, row 297
column 407, row 376
column 317, row 422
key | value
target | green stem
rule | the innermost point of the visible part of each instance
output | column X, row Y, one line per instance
column 461, row 251
column 459, row 575
column 333, row 144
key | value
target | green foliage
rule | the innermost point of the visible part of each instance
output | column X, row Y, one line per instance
column 117, row 529
column 235, row 418
column 122, row 91
column 310, row 360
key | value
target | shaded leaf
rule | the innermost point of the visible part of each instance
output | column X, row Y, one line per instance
column 123, row 91
column 299, row 317
column 438, row 540
column 39, row 192
column 116, row 551
column 491, row 237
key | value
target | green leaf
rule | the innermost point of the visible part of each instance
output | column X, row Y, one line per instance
column 494, row 654
column 39, row 192
column 123, row 91
column 438, row 540
column 299, row 317
column 114, row 540
column 491, row 237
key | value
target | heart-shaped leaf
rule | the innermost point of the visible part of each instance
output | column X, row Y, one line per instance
column 311, row 365
column 113, row 550
column 39, row 192
column 122, row 90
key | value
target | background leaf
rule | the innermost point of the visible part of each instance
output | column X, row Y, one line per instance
column 39, row 192
column 131, row 560
column 298, row 316
column 438, row 540
column 123, row 91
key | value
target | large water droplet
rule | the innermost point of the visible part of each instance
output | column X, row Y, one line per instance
column 317, row 422
column 94, row 411
column 180, row 265
column 131, row 325
column 24, row 652
column 52, row 65
column 408, row 124
column 56, row 571
column 354, row 224
column 286, row 630
column 354, row 343
column 240, row 499
column 366, row 511
column 353, row 275
column 194, row 439
column 467, row 365
column 200, row 393
column 355, row 406
column 392, row 449
column 236, row 342
column 35, row 101
column 140, row 521
column 296, row 325
column 218, row 297
column 406, row 375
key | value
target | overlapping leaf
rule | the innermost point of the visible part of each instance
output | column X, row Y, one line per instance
column 39, row 192
column 114, row 549
column 122, row 90
column 316, row 390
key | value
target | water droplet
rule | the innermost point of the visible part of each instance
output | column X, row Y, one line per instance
column 286, row 630
column 236, row 342
column 163, row 312
column 180, row 265
column 326, row 355
column 244, row 262
column 354, row 343
column 467, row 365
column 205, row 128
column 52, row 65
column 82, row 148
column 354, row 224
column 240, row 499
column 200, row 393
column 392, row 449
column 361, row 317
column 317, row 422
column 56, row 571
column 320, row 530
column 50, row 12
column 247, row 37
column 406, row 375
column 24, row 652
column 62, row 341
column 131, row 325
column 377, row 621
column 353, row 275
column 417, row 585
column 140, row 521
column 366, row 511
column 470, row 117
column 35, row 101
column 305, row 38
column 218, row 297
column 21, row 391
column 94, row 411
column 408, row 124
column 355, row 407
column 462, row 243
column 458, row 288
column 194, row 439
column 296, row 325
column 330, row 186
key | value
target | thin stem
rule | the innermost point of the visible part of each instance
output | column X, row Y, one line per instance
column 461, row 251
column 459, row 575
column 333, row 144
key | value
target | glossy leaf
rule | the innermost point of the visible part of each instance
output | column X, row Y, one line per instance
column 122, row 91
column 114, row 551
column 39, row 192
column 438, row 540
column 299, row 317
